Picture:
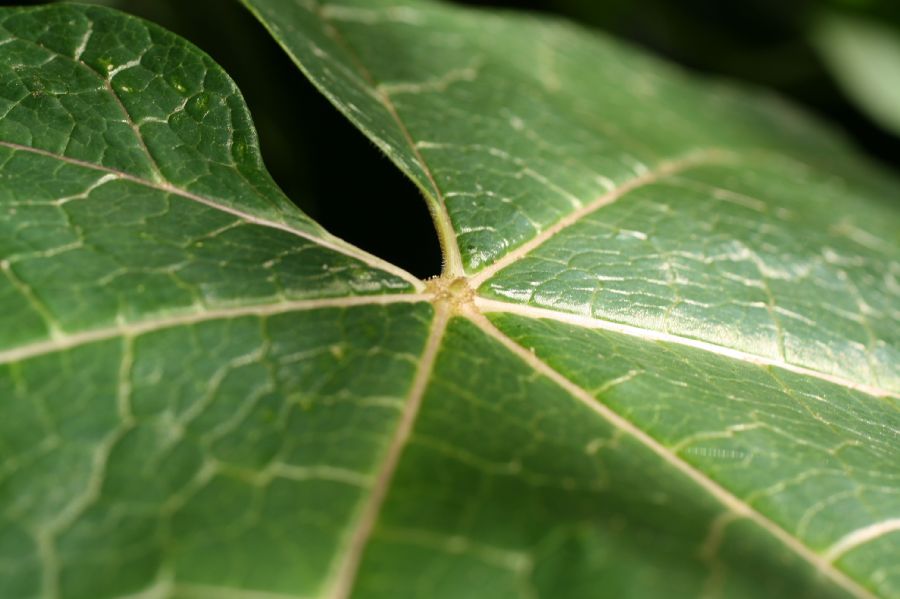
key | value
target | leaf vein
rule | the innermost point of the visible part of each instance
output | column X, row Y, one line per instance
column 665, row 169
column 443, row 223
column 731, row 502
column 344, row 577
column 329, row 242
column 489, row 305
column 136, row 329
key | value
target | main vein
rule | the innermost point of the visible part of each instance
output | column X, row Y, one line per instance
column 62, row 343
column 726, row 498
column 347, row 568
column 163, row 184
column 661, row 171
column 453, row 265
column 488, row 305
column 326, row 240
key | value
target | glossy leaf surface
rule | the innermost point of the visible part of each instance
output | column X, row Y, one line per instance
column 662, row 360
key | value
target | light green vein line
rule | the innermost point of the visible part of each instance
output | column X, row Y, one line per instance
column 587, row 322
column 665, row 169
column 136, row 329
column 863, row 535
column 327, row 241
column 345, row 572
column 436, row 202
column 724, row 496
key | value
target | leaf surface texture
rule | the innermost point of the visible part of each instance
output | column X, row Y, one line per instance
column 662, row 359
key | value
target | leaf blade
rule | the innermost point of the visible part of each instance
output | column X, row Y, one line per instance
column 520, row 132
column 158, row 293
column 291, row 437
column 540, row 155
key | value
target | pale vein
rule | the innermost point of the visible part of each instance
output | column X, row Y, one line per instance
column 663, row 170
column 858, row 537
column 346, row 571
column 587, row 322
column 333, row 243
column 730, row 501
column 452, row 256
column 136, row 329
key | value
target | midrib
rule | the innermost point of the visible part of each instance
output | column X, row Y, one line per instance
column 587, row 322
column 326, row 240
column 135, row 329
column 729, row 501
column 62, row 343
column 666, row 168
column 70, row 341
column 453, row 265
column 346, row 567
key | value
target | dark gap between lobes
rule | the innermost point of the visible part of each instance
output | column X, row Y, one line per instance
column 320, row 160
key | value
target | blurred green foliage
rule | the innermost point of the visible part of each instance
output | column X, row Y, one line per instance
column 864, row 56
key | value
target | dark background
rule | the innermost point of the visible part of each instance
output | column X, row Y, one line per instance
column 764, row 42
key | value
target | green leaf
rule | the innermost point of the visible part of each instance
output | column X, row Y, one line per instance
column 662, row 360
column 864, row 57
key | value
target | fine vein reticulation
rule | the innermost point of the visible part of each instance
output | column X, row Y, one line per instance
column 428, row 162
column 631, row 373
